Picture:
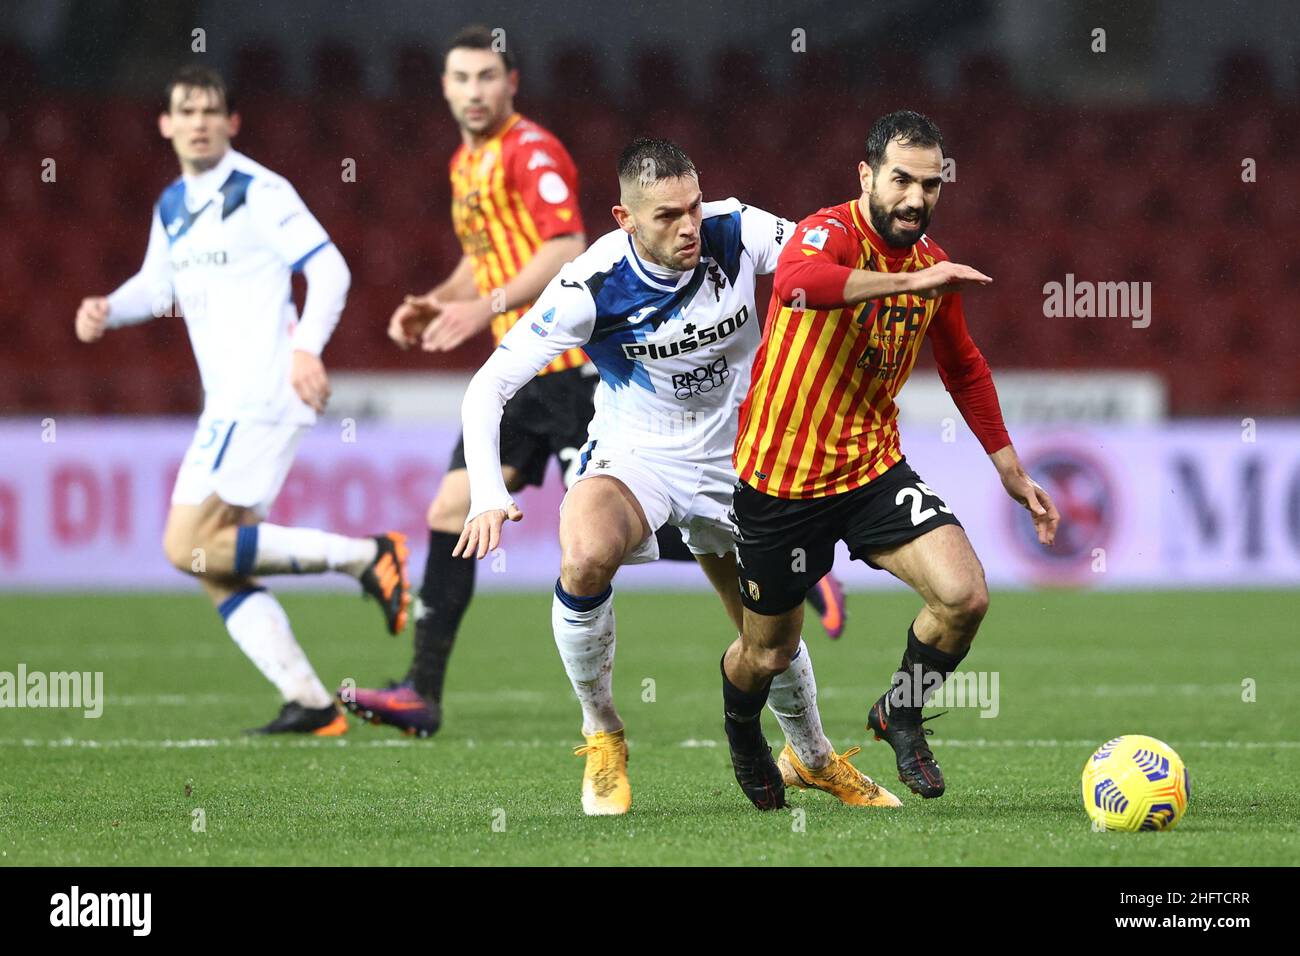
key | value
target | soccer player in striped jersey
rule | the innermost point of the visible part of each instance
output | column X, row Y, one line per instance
column 857, row 289
column 664, row 305
column 225, row 240
column 515, row 212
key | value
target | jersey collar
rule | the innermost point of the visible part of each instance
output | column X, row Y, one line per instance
column 876, row 242
column 648, row 278
column 199, row 189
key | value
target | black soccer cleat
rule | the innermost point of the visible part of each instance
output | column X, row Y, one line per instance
column 294, row 718
column 756, row 771
column 386, row 580
column 916, row 765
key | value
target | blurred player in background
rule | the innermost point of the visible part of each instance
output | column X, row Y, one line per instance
column 857, row 289
column 664, row 305
column 515, row 211
column 224, row 241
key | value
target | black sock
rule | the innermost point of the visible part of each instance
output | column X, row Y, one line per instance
column 923, row 671
column 743, row 711
column 446, row 592
column 814, row 598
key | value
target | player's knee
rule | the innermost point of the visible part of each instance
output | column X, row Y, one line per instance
column 964, row 609
column 588, row 567
column 773, row 660
column 179, row 551
column 447, row 512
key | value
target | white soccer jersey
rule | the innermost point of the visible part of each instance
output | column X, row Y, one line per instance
column 227, row 242
column 674, row 356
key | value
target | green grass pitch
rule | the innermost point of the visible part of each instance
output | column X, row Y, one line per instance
column 499, row 784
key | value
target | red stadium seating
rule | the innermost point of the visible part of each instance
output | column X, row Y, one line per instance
column 1108, row 194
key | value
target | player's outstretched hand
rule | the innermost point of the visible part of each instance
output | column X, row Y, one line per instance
column 92, row 318
column 309, row 380
column 482, row 534
column 456, row 322
column 411, row 318
column 1032, row 496
column 944, row 277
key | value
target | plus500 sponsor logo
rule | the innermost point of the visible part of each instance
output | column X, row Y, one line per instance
column 693, row 340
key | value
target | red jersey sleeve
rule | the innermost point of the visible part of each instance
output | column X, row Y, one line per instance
column 544, row 174
column 966, row 374
column 817, row 261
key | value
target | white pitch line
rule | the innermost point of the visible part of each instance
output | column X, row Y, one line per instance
column 470, row 743
column 204, row 699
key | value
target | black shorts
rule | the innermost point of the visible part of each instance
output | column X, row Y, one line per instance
column 785, row 546
column 548, row 416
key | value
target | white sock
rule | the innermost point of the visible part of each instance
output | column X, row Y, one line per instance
column 273, row 549
column 793, row 698
column 585, row 639
column 261, row 629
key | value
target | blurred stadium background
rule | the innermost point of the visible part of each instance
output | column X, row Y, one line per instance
column 1168, row 159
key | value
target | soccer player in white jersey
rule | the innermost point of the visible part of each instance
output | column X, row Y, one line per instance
column 664, row 307
column 225, row 240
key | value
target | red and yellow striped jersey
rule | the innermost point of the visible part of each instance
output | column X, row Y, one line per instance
column 820, row 417
column 508, row 196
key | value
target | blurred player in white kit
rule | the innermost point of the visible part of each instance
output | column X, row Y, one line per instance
column 225, row 239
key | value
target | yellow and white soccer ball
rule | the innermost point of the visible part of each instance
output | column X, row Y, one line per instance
column 1135, row 783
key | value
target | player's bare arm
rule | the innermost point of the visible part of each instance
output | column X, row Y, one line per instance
column 455, row 322
column 1027, row 492
column 940, row 279
column 308, row 378
column 482, row 534
column 92, row 318
column 409, row 320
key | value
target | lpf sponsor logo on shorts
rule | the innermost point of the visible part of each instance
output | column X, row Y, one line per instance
column 705, row 378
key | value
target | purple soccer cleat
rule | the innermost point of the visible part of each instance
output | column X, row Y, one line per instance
column 397, row 705
column 827, row 599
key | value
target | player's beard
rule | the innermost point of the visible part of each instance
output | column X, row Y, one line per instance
column 485, row 123
column 882, row 220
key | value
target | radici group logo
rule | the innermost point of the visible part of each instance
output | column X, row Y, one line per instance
column 1084, row 490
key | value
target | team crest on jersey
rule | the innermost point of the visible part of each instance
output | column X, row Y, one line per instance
column 717, row 279
column 816, row 237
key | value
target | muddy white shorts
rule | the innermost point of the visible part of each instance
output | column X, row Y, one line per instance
column 243, row 462
column 693, row 496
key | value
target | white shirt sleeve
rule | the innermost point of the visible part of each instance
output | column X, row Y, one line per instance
column 764, row 236
column 283, row 221
column 328, row 280
column 147, row 294
column 562, row 318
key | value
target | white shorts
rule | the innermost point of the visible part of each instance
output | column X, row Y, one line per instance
column 694, row 497
column 243, row 463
